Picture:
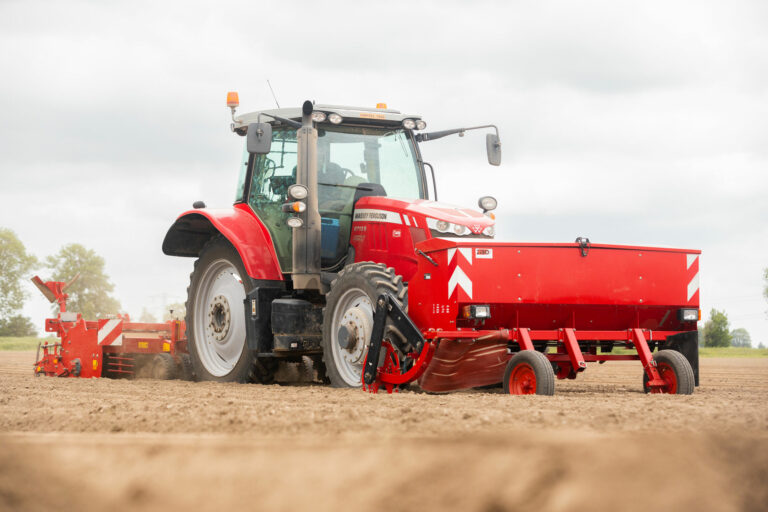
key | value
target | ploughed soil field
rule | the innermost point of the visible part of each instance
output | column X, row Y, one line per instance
column 599, row 444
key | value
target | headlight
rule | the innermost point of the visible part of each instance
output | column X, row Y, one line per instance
column 489, row 231
column 420, row 125
column 294, row 222
column 298, row 191
column 409, row 124
column 318, row 117
column 335, row 118
column 487, row 203
column 443, row 226
column 459, row 229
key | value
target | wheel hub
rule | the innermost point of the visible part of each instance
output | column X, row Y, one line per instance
column 354, row 331
column 219, row 317
column 522, row 381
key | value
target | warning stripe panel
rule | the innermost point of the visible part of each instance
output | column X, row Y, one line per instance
column 692, row 267
column 111, row 333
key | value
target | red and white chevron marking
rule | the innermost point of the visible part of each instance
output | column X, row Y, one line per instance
column 692, row 266
column 111, row 332
column 459, row 278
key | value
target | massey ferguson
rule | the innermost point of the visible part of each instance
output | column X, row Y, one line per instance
column 336, row 250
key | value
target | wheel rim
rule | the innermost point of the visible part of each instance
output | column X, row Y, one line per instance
column 219, row 319
column 350, row 334
column 522, row 380
column 669, row 377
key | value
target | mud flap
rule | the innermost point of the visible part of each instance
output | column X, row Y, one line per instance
column 687, row 343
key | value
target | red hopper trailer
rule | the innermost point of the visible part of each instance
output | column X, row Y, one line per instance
column 524, row 314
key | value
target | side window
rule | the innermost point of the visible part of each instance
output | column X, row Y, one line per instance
column 276, row 171
column 272, row 174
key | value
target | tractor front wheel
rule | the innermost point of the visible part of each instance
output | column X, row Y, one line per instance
column 529, row 373
column 348, row 318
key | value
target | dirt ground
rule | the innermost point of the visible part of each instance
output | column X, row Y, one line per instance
column 598, row 444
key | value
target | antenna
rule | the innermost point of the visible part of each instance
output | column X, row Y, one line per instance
column 273, row 93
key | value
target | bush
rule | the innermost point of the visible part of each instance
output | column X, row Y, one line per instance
column 17, row 326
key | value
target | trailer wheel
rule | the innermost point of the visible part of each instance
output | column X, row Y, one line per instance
column 348, row 318
column 184, row 367
column 216, row 335
column 163, row 367
column 676, row 372
column 529, row 372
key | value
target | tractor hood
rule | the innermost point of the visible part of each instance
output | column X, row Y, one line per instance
column 430, row 212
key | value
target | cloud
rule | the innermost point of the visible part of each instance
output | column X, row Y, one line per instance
column 630, row 122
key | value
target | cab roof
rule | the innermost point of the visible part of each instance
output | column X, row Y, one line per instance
column 367, row 115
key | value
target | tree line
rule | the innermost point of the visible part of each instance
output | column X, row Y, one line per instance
column 89, row 295
column 717, row 331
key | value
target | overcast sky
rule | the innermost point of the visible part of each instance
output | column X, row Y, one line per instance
column 628, row 122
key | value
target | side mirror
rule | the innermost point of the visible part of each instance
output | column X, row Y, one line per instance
column 259, row 138
column 492, row 146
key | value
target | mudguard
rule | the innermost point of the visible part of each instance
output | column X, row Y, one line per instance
column 239, row 225
column 687, row 343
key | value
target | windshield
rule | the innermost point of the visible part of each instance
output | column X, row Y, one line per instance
column 353, row 155
column 347, row 156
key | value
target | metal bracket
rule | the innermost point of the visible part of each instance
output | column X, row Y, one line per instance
column 388, row 308
column 425, row 255
column 583, row 245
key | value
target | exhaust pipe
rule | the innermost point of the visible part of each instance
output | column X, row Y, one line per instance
column 306, row 239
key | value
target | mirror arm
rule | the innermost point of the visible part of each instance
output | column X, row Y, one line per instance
column 423, row 137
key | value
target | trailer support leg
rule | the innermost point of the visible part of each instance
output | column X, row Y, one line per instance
column 646, row 358
column 525, row 339
column 574, row 351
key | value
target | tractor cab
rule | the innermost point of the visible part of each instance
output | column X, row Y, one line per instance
column 354, row 159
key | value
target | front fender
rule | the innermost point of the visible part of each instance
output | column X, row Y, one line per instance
column 239, row 225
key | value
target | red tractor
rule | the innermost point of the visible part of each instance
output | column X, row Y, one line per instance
column 335, row 250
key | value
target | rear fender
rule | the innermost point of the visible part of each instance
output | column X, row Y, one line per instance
column 239, row 225
column 687, row 343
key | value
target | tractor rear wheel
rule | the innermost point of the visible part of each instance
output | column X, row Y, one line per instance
column 529, row 372
column 675, row 371
column 348, row 318
column 215, row 319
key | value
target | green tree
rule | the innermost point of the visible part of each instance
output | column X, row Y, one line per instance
column 179, row 310
column 147, row 317
column 89, row 295
column 716, row 331
column 740, row 338
column 15, row 263
column 765, row 282
column 17, row 326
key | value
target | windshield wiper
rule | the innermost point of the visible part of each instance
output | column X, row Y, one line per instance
column 356, row 187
